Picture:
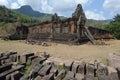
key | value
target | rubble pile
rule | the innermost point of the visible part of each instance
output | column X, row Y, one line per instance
column 29, row 66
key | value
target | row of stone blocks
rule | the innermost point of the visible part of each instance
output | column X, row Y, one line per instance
column 12, row 64
column 42, row 69
column 7, row 66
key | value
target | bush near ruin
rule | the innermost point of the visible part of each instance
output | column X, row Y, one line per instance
column 114, row 26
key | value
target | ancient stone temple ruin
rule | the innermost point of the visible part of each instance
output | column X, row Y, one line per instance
column 70, row 30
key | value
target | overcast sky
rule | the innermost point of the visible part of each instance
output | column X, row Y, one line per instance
column 94, row 9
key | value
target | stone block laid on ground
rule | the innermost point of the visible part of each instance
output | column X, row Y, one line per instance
column 82, row 68
column 103, row 77
column 75, row 67
column 79, row 76
column 90, row 69
column 102, row 69
column 24, row 57
column 114, row 60
column 61, row 75
column 112, row 73
column 5, row 67
column 70, row 75
column 41, row 68
column 49, row 77
column 118, row 70
column 45, row 70
column 68, row 65
column 16, row 75
column 89, row 77
column 54, row 70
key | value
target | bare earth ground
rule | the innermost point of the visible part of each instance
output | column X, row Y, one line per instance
column 72, row 52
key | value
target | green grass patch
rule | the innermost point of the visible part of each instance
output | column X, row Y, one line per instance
column 59, row 68
column 27, row 68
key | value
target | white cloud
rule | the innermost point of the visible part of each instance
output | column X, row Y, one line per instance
column 112, row 5
column 94, row 15
column 52, row 6
column 82, row 1
column 4, row 2
column 21, row 2
column 45, row 7
column 14, row 5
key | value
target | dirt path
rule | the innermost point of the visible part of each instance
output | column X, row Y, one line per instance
column 86, row 52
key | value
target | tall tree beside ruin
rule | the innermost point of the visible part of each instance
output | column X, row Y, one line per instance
column 114, row 26
column 117, row 18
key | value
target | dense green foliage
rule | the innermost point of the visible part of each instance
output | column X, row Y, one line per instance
column 9, row 19
column 116, row 18
column 114, row 26
column 8, row 15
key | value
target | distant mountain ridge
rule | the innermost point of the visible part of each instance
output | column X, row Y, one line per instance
column 109, row 20
column 27, row 10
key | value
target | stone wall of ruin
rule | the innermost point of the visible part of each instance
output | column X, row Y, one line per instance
column 64, row 30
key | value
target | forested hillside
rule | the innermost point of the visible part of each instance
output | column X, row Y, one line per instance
column 27, row 10
column 9, row 19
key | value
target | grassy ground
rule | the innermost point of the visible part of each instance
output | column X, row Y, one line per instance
column 85, row 51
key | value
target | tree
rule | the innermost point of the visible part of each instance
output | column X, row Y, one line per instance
column 117, row 18
column 114, row 26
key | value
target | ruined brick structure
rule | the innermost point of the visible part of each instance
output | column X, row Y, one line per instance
column 20, row 33
column 70, row 30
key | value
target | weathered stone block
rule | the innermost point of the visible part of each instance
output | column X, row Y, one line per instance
column 34, row 71
column 68, row 66
column 38, row 61
column 2, row 60
column 75, row 67
column 16, row 75
column 24, row 57
column 8, row 77
column 49, row 77
column 89, row 77
column 38, row 78
column 4, row 74
column 82, row 68
column 112, row 73
column 79, row 76
column 45, row 70
column 114, row 60
column 13, row 58
column 31, row 58
column 5, row 67
column 103, row 77
column 24, row 77
column 61, row 75
column 118, row 70
column 90, row 69
column 70, row 75
column 102, row 69
column 54, row 70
